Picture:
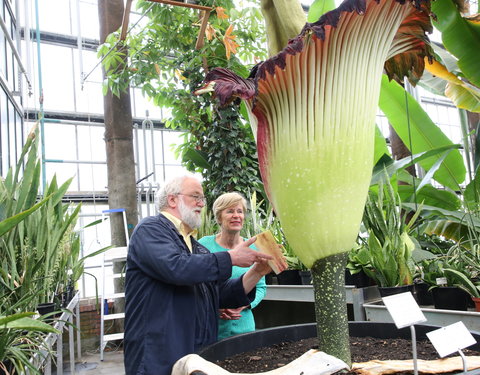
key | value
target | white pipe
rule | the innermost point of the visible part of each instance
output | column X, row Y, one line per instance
column 80, row 45
column 137, row 163
column 6, row 33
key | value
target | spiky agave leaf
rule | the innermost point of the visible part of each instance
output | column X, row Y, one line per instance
column 313, row 107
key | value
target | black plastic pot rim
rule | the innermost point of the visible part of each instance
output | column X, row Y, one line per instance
column 266, row 337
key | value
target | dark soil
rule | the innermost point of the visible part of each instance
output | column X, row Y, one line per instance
column 363, row 349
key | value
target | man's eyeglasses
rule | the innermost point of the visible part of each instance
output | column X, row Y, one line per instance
column 198, row 198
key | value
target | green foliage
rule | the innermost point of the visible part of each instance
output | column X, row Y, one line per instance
column 163, row 60
column 21, row 337
column 262, row 218
column 460, row 36
column 457, row 265
column 37, row 247
column 386, row 253
column 209, row 226
column 318, row 8
column 231, row 154
column 419, row 130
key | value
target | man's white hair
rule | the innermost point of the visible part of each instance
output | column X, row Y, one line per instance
column 171, row 187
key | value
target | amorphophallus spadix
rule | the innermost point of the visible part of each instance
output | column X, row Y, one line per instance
column 312, row 108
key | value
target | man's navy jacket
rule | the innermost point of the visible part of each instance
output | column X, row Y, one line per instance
column 172, row 297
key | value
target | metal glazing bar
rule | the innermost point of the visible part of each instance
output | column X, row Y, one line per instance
column 15, row 52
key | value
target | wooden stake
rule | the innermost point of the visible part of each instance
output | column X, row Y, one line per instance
column 126, row 17
column 203, row 27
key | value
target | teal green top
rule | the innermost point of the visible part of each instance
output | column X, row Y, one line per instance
column 246, row 323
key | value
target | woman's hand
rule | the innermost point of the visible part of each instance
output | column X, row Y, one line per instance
column 262, row 267
column 231, row 314
column 243, row 256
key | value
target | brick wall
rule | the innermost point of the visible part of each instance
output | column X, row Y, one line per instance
column 90, row 324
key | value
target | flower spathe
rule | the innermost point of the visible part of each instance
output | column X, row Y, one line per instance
column 313, row 108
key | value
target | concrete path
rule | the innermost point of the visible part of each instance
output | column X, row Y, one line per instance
column 90, row 364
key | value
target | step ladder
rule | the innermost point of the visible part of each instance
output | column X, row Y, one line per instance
column 115, row 254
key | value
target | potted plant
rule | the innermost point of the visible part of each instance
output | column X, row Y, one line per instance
column 265, row 219
column 297, row 273
column 386, row 253
column 445, row 278
column 463, row 281
column 38, row 245
column 21, row 338
column 354, row 273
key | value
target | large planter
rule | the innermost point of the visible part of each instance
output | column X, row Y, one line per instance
column 359, row 279
column 386, row 291
column 266, row 337
column 305, row 277
column 450, row 298
column 289, row 277
column 46, row 308
column 422, row 294
column 476, row 301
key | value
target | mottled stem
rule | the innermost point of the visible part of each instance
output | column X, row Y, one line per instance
column 331, row 306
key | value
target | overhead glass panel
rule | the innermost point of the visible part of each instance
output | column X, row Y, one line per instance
column 60, row 143
column 54, row 16
column 92, row 143
column 57, row 78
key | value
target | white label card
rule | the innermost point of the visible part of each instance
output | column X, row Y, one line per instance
column 404, row 309
column 451, row 339
column 441, row 281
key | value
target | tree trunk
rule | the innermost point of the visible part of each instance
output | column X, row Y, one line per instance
column 118, row 138
column 328, row 275
column 474, row 127
column 122, row 191
column 399, row 150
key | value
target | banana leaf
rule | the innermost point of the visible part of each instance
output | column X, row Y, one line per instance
column 460, row 37
column 414, row 126
column 391, row 166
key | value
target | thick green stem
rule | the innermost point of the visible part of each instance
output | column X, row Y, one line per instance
column 284, row 19
column 331, row 306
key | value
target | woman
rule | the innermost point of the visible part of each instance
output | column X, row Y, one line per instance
column 229, row 211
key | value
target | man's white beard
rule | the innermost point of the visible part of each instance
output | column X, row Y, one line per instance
column 188, row 215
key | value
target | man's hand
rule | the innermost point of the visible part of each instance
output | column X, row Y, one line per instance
column 243, row 256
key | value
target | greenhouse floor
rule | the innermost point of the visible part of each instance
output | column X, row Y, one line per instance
column 112, row 364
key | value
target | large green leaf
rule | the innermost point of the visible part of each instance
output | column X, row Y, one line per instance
column 430, row 196
column 381, row 147
column 318, row 8
column 440, row 213
column 443, row 75
column 471, row 195
column 390, row 166
column 460, row 36
column 448, row 229
column 197, row 157
column 415, row 128
column 23, row 321
column 11, row 222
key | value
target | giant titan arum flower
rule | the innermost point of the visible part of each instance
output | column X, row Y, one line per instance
column 312, row 108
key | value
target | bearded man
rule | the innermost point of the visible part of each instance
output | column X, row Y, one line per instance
column 174, row 286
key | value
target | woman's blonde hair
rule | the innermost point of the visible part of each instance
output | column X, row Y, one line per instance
column 227, row 200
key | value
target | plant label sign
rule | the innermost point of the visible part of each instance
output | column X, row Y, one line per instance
column 451, row 339
column 404, row 310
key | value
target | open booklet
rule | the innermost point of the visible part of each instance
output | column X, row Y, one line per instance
column 266, row 244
